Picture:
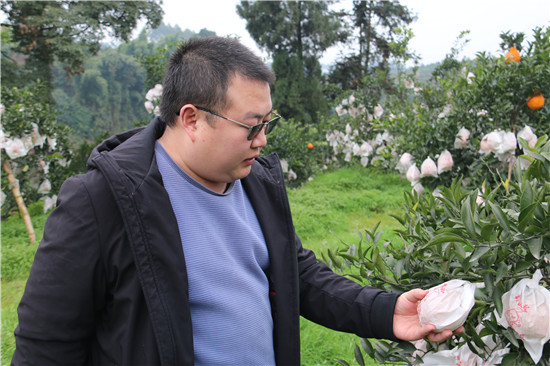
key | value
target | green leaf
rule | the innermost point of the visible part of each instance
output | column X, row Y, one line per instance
column 487, row 231
column 382, row 347
column 358, row 356
column 475, row 337
column 367, row 346
column 341, row 362
column 336, row 262
column 467, row 217
column 502, row 271
column 499, row 214
column 355, row 277
column 526, row 216
column 526, row 196
column 478, row 252
column 375, row 227
column 489, row 283
column 534, row 246
column 399, row 219
column 445, row 238
column 497, row 298
column 511, row 336
column 378, row 261
column 522, row 265
column 459, row 251
column 370, row 267
column 398, row 268
column 510, row 359
column 407, row 347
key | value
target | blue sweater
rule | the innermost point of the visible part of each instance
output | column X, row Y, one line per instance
column 227, row 261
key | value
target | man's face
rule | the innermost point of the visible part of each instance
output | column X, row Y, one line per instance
column 223, row 153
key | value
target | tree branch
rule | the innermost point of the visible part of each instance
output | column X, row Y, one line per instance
column 20, row 203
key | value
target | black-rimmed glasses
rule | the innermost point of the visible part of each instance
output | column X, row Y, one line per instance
column 253, row 131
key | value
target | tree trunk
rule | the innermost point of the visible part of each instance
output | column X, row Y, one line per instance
column 299, row 35
column 368, row 38
column 20, row 203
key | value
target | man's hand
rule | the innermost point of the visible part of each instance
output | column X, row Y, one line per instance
column 406, row 323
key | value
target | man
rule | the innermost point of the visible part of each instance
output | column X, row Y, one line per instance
column 178, row 248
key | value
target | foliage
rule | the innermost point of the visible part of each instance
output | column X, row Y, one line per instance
column 300, row 28
column 290, row 141
column 482, row 96
column 297, row 93
column 382, row 34
column 354, row 132
column 295, row 34
column 44, row 152
column 155, row 63
column 497, row 241
column 109, row 96
column 70, row 31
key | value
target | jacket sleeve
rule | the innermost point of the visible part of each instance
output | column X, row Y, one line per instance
column 58, row 308
column 341, row 304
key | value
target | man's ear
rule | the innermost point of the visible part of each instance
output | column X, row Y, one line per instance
column 187, row 119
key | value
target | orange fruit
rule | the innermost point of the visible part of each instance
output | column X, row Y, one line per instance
column 512, row 55
column 535, row 102
column 310, row 146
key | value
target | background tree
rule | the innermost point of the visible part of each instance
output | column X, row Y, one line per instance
column 295, row 33
column 378, row 26
column 69, row 31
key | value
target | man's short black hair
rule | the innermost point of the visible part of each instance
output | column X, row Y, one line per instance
column 200, row 71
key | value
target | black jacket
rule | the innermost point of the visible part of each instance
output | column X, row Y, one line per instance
column 109, row 285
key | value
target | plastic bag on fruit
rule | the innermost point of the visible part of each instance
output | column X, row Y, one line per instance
column 441, row 358
column 492, row 352
column 455, row 357
column 447, row 305
column 462, row 356
column 526, row 309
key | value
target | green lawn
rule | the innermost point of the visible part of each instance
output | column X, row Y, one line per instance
column 334, row 206
column 337, row 206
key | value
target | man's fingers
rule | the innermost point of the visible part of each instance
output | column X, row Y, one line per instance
column 440, row 337
column 415, row 295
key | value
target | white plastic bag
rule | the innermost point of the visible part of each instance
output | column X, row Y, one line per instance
column 441, row 358
column 461, row 357
column 526, row 309
column 455, row 357
column 447, row 305
column 492, row 352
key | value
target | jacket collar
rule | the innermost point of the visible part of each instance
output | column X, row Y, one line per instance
column 127, row 148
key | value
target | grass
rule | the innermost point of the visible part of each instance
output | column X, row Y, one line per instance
column 17, row 258
column 335, row 205
column 339, row 204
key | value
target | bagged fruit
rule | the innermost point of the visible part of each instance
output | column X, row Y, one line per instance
column 526, row 309
column 447, row 305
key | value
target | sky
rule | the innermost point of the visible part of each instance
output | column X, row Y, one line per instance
column 438, row 24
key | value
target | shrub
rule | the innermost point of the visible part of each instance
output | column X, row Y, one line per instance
column 495, row 238
column 424, row 118
column 300, row 160
column 40, row 157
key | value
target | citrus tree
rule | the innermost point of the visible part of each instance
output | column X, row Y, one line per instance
column 476, row 136
column 466, row 102
column 497, row 242
column 34, row 151
column 464, row 122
